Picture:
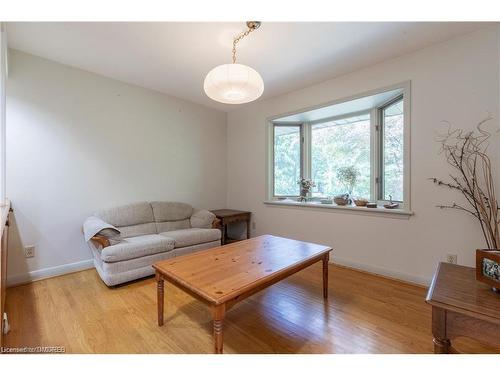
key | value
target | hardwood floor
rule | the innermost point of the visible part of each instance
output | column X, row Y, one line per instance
column 364, row 314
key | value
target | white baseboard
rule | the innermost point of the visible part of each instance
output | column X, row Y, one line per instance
column 421, row 280
column 49, row 272
column 89, row 263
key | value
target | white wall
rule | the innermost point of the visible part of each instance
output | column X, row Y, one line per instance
column 78, row 142
column 456, row 81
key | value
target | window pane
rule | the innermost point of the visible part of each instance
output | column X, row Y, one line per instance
column 393, row 122
column 335, row 146
column 286, row 160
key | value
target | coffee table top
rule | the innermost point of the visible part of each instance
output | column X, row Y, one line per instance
column 455, row 288
column 225, row 272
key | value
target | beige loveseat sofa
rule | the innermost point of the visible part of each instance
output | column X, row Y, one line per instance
column 127, row 240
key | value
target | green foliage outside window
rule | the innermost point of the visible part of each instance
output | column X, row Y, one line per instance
column 340, row 149
column 286, row 160
column 341, row 144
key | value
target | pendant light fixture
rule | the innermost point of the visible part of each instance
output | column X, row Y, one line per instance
column 235, row 83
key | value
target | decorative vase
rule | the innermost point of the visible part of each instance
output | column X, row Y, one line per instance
column 303, row 195
column 342, row 200
column 361, row 202
column 488, row 268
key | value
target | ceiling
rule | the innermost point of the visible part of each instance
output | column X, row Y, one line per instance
column 174, row 57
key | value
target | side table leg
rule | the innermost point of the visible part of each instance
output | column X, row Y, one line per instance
column 325, row 275
column 248, row 228
column 223, row 233
column 160, row 298
column 218, row 313
column 441, row 346
column 441, row 341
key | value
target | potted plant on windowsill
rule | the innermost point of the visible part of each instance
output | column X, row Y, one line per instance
column 466, row 152
column 348, row 177
column 305, row 188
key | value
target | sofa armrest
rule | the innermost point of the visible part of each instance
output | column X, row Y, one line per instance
column 216, row 223
column 202, row 219
column 100, row 241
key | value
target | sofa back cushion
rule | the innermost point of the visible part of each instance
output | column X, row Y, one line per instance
column 138, row 230
column 132, row 220
column 171, row 211
column 167, row 226
column 171, row 216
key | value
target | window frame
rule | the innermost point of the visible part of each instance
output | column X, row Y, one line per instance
column 380, row 130
column 376, row 132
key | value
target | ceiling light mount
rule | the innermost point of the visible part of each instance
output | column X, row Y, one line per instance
column 253, row 24
column 235, row 83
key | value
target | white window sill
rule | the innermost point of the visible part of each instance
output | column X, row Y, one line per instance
column 394, row 212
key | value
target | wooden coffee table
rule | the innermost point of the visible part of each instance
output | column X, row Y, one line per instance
column 225, row 275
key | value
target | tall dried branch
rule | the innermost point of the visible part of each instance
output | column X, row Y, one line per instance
column 466, row 153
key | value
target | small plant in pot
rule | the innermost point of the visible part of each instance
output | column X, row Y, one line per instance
column 466, row 152
column 348, row 177
column 305, row 188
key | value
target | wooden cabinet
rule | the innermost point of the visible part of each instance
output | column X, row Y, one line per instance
column 462, row 307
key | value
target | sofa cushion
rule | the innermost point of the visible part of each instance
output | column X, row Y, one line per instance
column 130, row 214
column 135, row 247
column 202, row 219
column 167, row 226
column 192, row 236
column 171, row 211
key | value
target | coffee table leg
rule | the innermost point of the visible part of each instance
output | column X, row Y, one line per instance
column 218, row 313
column 325, row 276
column 160, row 297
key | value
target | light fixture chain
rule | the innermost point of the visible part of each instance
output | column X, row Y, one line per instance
column 238, row 38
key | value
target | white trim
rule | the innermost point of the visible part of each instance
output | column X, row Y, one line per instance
column 374, row 155
column 407, row 146
column 49, row 272
column 403, row 84
column 420, row 280
column 3, row 110
column 89, row 263
column 394, row 213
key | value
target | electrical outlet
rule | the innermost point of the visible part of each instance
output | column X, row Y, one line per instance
column 451, row 258
column 29, row 251
column 253, row 225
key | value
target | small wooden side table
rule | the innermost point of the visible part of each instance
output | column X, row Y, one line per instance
column 462, row 306
column 227, row 216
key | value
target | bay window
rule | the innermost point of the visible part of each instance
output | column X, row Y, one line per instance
column 367, row 137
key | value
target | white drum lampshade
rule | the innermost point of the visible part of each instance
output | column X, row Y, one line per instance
column 233, row 84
